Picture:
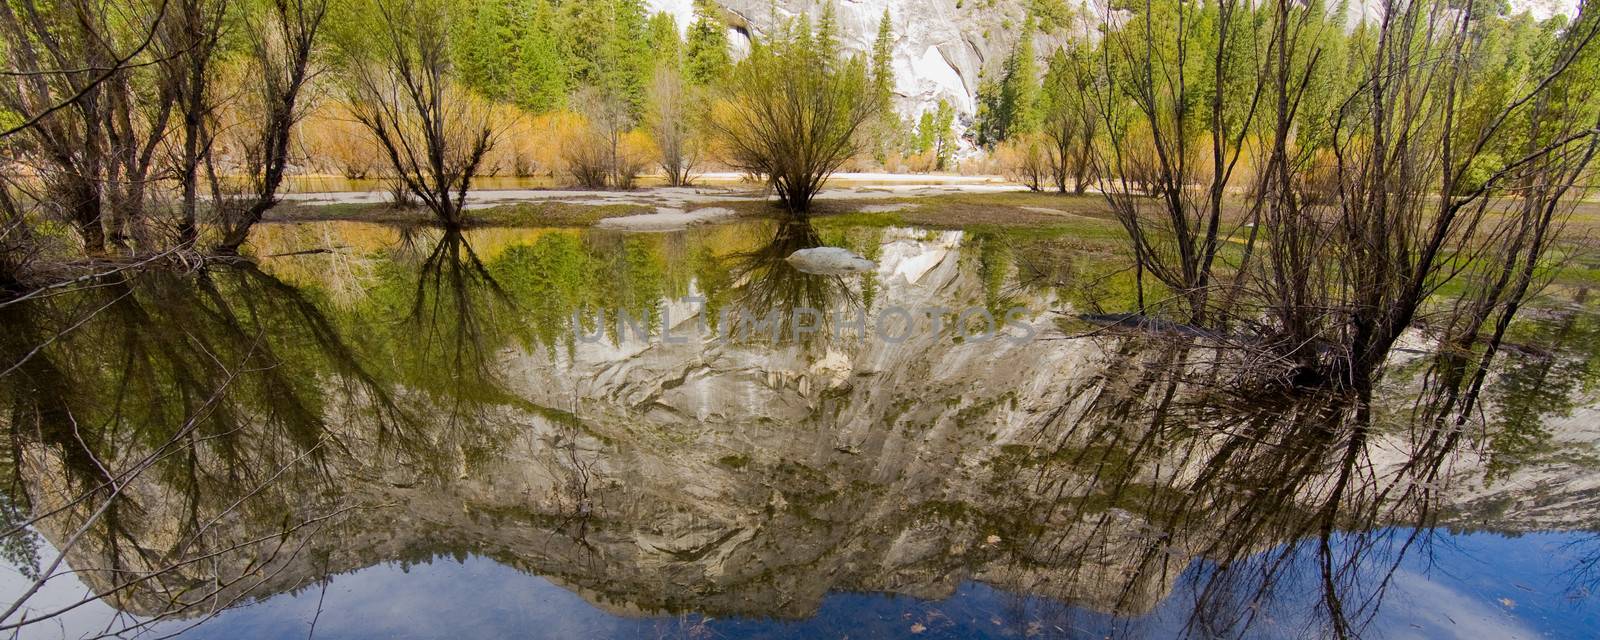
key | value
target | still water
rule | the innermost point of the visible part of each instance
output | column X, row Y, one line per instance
column 386, row 432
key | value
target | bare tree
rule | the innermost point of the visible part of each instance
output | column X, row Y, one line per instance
column 1423, row 194
column 17, row 242
column 58, row 63
column 671, row 124
column 1408, row 219
column 1070, row 123
column 1177, row 240
column 598, row 154
column 433, row 131
column 282, row 47
column 1028, row 161
column 188, row 42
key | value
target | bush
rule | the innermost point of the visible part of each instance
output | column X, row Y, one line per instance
column 1025, row 161
column 400, row 196
column 598, row 148
column 587, row 157
column 433, row 131
column 633, row 155
column 333, row 142
column 517, row 154
column 794, row 113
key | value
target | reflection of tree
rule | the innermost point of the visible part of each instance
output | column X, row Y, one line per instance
column 1258, row 486
column 1583, row 578
column 767, row 285
column 455, row 319
column 1538, row 383
column 864, row 241
column 563, row 284
column 442, row 327
column 147, row 354
column 255, row 407
column 550, row 279
column 144, row 411
column 633, row 284
column 994, row 269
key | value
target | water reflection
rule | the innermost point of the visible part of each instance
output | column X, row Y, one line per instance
column 196, row 442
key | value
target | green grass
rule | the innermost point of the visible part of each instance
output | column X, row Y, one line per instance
column 859, row 219
column 552, row 214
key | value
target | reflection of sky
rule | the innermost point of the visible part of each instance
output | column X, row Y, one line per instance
column 1476, row 586
column 89, row 619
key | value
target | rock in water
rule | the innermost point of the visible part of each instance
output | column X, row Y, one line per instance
column 830, row 261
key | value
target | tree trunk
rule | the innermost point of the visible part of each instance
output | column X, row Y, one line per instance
column 187, row 231
column 87, row 216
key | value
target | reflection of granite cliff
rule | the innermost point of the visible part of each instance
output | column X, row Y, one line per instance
column 725, row 478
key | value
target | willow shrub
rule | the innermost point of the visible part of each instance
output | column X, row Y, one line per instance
column 794, row 113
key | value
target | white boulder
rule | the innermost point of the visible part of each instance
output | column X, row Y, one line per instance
column 830, row 261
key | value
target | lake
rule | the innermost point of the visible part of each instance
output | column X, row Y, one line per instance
column 380, row 431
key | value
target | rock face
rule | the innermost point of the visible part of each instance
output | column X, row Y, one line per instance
column 726, row 477
column 941, row 47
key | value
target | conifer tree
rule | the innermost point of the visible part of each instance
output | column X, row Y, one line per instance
column 541, row 77
column 886, row 131
column 665, row 47
column 883, row 64
column 484, row 37
column 584, row 38
column 922, row 142
column 1019, row 91
column 944, row 140
column 626, row 60
column 987, row 124
column 828, row 33
column 706, row 57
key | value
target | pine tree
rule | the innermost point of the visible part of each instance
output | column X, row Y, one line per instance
column 541, row 77
column 584, row 38
column 484, row 35
column 883, row 64
column 801, row 37
column 665, row 46
column 828, row 33
column 1019, row 91
column 988, row 123
column 944, row 121
column 886, row 132
column 923, row 141
column 706, row 57
column 626, row 59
